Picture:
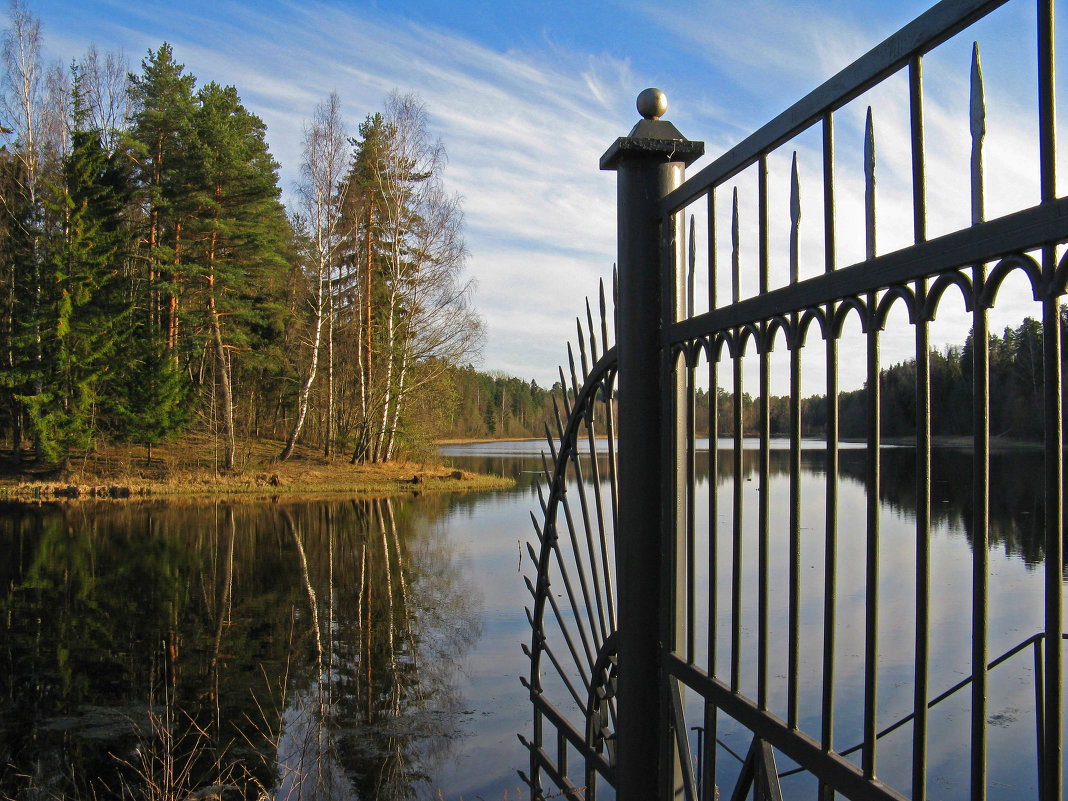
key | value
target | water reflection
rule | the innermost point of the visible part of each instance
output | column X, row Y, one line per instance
column 1015, row 602
column 346, row 649
column 304, row 650
column 1017, row 511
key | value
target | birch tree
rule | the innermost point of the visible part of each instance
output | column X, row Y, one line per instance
column 425, row 320
column 23, row 116
column 106, row 83
column 321, row 197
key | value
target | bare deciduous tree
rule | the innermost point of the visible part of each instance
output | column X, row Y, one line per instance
column 105, row 84
column 322, row 194
column 31, row 129
column 429, row 319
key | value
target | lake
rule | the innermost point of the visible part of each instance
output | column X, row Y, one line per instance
column 371, row 648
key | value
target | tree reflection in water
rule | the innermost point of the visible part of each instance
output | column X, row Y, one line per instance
column 291, row 650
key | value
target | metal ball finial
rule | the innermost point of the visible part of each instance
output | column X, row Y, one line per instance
column 652, row 104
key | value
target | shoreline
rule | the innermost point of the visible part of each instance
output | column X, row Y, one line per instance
column 187, row 470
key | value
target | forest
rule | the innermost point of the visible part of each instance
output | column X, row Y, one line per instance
column 153, row 283
column 1016, row 395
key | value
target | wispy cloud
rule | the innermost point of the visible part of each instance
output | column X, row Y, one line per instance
column 526, row 119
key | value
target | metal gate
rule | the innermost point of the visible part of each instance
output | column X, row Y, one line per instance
column 622, row 638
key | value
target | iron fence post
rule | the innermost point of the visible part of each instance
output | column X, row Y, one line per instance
column 649, row 163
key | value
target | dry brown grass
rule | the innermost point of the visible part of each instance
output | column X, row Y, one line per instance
column 193, row 467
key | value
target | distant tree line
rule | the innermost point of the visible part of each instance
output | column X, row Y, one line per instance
column 153, row 283
column 1016, row 394
column 495, row 405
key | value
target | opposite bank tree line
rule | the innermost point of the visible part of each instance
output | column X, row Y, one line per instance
column 1016, row 398
column 153, row 282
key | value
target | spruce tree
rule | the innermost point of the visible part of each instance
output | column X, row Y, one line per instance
column 86, row 310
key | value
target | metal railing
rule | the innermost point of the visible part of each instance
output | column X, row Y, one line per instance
column 638, row 672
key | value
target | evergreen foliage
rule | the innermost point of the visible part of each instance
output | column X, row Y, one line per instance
column 151, row 283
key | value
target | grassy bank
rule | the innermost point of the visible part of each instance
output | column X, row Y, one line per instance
column 192, row 467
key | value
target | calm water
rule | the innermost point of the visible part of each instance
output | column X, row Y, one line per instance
column 371, row 649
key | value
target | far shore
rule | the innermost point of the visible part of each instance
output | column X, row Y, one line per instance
column 191, row 469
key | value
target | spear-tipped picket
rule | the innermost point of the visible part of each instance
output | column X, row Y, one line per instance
column 977, row 118
column 547, row 472
column 549, row 437
column 615, row 297
column 736, row 270
column 795, row 219
column 869, row 187
column 556, row 415
column 537, row 530
column 692, row 258
column 593, row 332
column 604, row 315
column 582, row 349
column 574, row 379
column 563, row 393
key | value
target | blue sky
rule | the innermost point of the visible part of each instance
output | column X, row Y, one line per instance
column 527, row 95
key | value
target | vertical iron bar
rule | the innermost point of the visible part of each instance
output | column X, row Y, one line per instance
column 691, row 507
column 711, row 717
column 561, row 752
column 794, row 660
column 691, row 460
column 795, row 532
column 871, row 584
column 831, row 528
column 739, row 412
column 923, row 447
column 535, row 764
column 676, row 773
column 1040, row 717
column 871, row 592
column 763, row 528
column 981, row 459
column 763, row 524
column 736, row 575
column 708, row 784
column 1053, row 784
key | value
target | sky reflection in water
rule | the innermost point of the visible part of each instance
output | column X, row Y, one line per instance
column 413, row 682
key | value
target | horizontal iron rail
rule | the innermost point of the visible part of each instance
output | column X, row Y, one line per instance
column 938, row 24
column 573, row 736
column 568, row 789
column 1029, row 642
column 1019, row 232
column 835, row 770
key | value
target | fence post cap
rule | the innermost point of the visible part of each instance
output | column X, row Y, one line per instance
column 652, row 103
column 652, row 138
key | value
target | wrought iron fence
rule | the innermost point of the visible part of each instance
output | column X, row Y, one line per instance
column 627, row 625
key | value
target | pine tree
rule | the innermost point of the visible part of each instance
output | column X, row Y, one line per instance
column 241, row 232
column 162, row 139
